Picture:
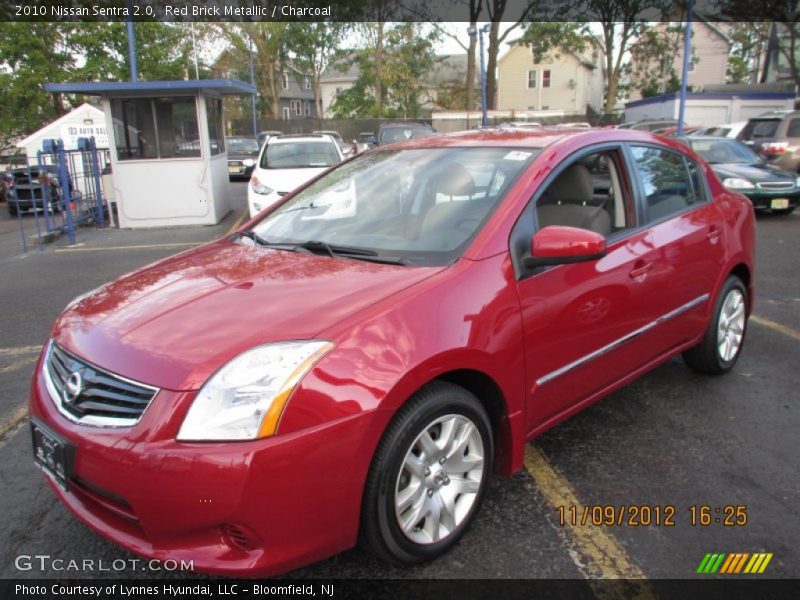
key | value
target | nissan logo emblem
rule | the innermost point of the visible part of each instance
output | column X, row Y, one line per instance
column 74, row 386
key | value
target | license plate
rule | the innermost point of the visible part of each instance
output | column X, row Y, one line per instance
column 779, row 203
column 52, row 454
column 234, row 169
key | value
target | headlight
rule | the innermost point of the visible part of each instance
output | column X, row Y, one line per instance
column 259, row 188
column 248, row 162
column 244, row 400
column 735, row 183
column 797, row 182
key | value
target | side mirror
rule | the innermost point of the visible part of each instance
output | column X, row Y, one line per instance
column 559, row 245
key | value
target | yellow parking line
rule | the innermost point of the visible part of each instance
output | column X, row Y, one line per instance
column 599, row 554
column 19, row 350
column 18, row 364
column 238, row 222
column 17, row 416
column 775, row 326
column 137, row 247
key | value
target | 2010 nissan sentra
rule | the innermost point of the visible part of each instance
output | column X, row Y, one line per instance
column 357, row 361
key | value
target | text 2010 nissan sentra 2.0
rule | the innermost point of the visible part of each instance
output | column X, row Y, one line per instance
column 358, row 360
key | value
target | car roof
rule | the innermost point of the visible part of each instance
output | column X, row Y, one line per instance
column 241, row 137
column 517, row 137
column 301, row 137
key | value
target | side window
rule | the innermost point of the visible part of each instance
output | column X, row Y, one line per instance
column 794, row 128
column 591, row 193
column 665, row 177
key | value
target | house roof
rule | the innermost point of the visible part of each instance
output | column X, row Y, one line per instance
column 581, row 59
column 445, row 68
column 120, row 88
column 99, row 114
column 341, row 68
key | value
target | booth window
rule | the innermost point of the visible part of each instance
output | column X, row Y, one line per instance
column 216, row 139
column 155, row 128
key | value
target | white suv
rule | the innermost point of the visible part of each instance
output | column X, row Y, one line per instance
column 285, row 163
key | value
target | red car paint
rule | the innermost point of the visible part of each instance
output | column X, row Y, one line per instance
column 295, row 497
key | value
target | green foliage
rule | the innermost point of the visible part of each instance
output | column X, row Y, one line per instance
column 32, row 54
column 548, row 40
column 406, row 59
column 749, row 41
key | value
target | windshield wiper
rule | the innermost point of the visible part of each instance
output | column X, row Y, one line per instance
column 262, row 242
column 255, row 237
column 352, row 252
column 316, row 245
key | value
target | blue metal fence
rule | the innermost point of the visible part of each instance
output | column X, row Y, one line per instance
column 60, row 189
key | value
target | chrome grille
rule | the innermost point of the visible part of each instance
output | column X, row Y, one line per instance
column 86, row 394
column 775, row 185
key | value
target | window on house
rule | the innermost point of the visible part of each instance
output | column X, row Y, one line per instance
column 307, row 83
column 297, row 107
column 691, row 66
column 286, row 113
column 308, row 109
column 545, row 79
column 532, row 79
column 285, row 80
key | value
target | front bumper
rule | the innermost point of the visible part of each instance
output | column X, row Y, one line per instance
column 293, row 499
column 763, row 199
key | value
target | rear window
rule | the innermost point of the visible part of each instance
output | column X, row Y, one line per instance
column 300, row 155
column 760, row 128
column 399, row 134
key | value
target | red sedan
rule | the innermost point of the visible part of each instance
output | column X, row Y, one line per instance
column 362, row 357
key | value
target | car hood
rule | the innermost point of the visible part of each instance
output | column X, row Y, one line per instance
column 755, row 173
column 286, row 180
column 174, row 323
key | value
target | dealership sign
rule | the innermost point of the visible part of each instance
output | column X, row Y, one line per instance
column 71, row 132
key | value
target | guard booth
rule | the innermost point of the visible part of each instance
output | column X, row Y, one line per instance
column 168, row 157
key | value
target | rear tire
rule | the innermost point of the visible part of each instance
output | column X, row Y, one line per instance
column 724, row 338
column 428, row 476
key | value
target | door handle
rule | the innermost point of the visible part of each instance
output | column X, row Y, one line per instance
column 640, row 268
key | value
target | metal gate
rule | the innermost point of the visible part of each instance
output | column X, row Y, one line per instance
column 57, row 192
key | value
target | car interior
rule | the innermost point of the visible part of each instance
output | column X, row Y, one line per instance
column 588, row 195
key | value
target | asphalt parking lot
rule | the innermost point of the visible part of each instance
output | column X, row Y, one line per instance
column 673, row 438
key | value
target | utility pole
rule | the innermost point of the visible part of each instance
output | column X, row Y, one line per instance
column 687, row 49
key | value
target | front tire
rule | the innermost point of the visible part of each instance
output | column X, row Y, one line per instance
column 724, row 338
column 428, row 476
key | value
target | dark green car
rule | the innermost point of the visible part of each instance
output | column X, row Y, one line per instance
column 742, row 170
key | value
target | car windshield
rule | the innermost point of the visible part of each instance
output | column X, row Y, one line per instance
column 242, row 146
column 413, row 207
column 300, row 155
column 724, row 152
column 400, row 134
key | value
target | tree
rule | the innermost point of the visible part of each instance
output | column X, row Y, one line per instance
column 393, row 86
column 654, row 55
column 618, row 20
column 749, row 43
column 313, row 46
column 31, row 54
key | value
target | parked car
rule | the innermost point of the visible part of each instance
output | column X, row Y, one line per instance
column 775, row 136
column 263, row 136
column 389, row 133
column 673, row 131
column 520, row 125
column 365, row 141
column 347, row 148
column 729, row 130
column 742, row 170
column 6, row 183
column 242, row 156
column 29, row 187
column 286, row 162
column 358, row 361
column 649, row 124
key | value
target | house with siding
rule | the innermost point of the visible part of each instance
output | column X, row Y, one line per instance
column 563, row 81
column 708, row 63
